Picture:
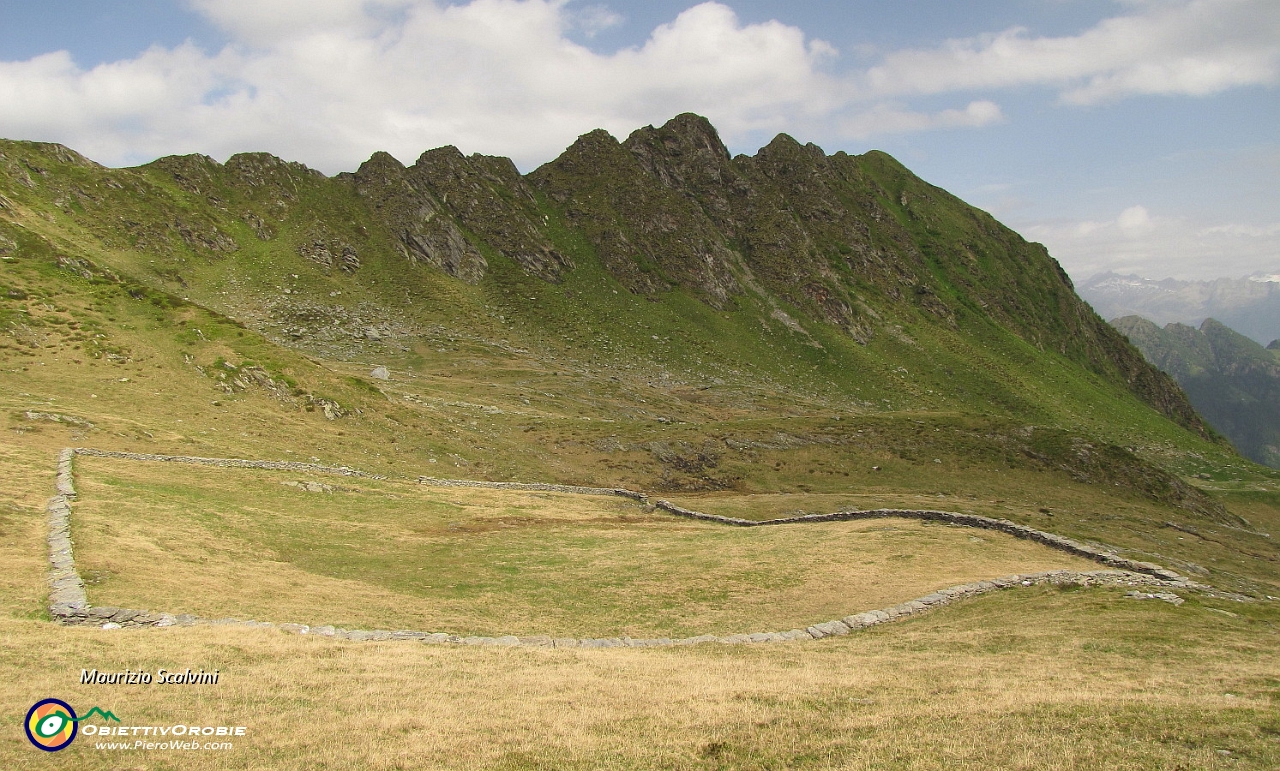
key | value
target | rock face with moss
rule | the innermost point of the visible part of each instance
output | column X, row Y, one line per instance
column 488, row 197
column 649, row 236
column 416, row 219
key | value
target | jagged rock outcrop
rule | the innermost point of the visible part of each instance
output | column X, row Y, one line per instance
column 267, row 173
column 490, row 198
column 785, row 212
column 648, row 236
column 198, row 174
column 331, row 254
column 424, row 232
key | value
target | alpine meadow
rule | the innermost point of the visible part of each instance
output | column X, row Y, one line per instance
column 652, row 458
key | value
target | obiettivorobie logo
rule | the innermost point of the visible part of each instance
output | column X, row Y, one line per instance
column 52, row 724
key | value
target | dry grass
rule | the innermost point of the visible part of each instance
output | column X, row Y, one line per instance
column 28, row 481
column 1031, row 679
column 387, row 554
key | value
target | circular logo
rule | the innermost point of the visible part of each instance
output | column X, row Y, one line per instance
column 51, row 724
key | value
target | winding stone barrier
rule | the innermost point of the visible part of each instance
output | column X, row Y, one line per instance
column 968, row 520
column 69, row 605
column 534, row 486
column 275, row 465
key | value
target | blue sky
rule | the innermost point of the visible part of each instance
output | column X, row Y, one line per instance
column 1133, row 135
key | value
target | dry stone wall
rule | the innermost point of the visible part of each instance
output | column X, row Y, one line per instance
column 69, row 604
column 968, row 520
column 534, row 486
column 66, row 590
column 229, row 462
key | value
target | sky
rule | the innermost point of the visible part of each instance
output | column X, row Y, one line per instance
column 1138, row 136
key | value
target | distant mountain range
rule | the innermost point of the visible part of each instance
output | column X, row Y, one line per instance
column 1250, row 305
column 1233, row 382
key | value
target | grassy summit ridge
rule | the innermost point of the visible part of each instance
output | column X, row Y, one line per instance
column 696, row 296
column 840, row 260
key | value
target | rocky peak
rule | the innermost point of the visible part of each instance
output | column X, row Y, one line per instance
column 498, row 172
column 380, row 178
column 784, row 153
column 501, row 169
column 261, row 170
column 193, row 173
column 380, row 163
column 687, row 156
column 589, row 150
column 1236, row 354
column 422, row 229
column 490, row 198
column 648, row 235
column 683, row 135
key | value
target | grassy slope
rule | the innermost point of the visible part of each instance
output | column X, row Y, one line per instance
column 495, row 385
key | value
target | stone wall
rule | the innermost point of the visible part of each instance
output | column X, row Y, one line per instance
column 535, row 486
column 275, row 465
column 68, row 603
column 66, row 590
column 968, row 520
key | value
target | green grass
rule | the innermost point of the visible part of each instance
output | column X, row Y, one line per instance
column 386, row 554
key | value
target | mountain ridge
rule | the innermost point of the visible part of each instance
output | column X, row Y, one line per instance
column 812, row 245
column 1231, row 380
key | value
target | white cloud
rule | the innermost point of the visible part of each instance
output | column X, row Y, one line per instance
column 1193, row 48
column 1158, row 246
column 268, row 22
column 1135, row 220
column 595, row 19
column 893, row 119
column 328, row 82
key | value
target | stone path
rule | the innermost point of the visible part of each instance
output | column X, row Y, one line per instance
column 68, row 603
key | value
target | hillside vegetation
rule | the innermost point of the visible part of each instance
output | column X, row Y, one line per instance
column 755, row 336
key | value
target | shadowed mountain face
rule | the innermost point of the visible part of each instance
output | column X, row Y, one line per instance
column 846, row 273
column 1232, row 381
